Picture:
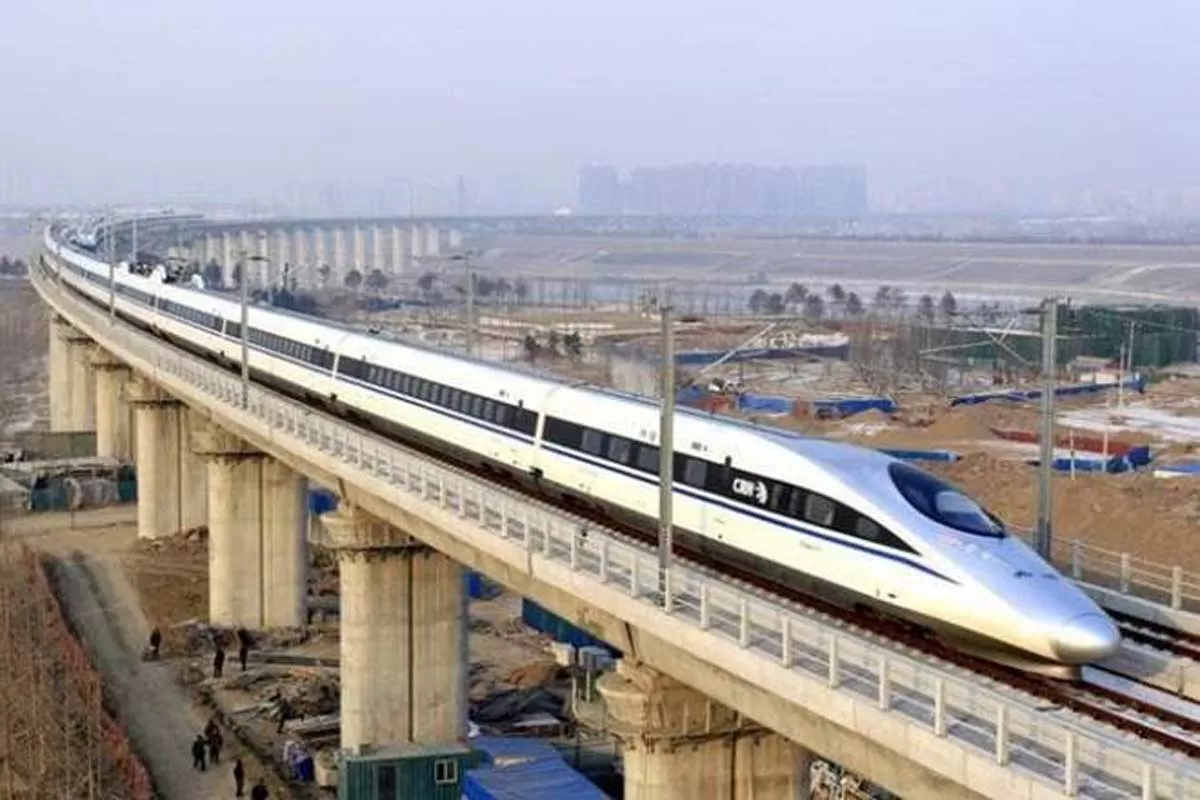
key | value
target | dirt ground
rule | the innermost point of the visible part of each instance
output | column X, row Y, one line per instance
column 160, row 716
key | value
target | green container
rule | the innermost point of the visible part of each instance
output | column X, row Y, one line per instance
column 406, row 772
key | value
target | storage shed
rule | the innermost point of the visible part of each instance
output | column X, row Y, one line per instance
column 406, row 772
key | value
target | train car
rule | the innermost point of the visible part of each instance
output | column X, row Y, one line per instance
column 838, row 521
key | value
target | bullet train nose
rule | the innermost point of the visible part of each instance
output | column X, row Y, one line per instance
column 1085, row 639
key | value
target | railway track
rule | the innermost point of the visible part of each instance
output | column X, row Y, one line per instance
column 1158, row 636
column 1128, row 715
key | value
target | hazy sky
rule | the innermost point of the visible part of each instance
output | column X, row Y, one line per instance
column 115, row 97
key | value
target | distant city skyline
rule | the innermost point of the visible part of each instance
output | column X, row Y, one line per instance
column 513, row 193
column 719, row 189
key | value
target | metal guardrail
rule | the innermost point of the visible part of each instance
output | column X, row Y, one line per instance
column 1130, row 575
column 1056, row 747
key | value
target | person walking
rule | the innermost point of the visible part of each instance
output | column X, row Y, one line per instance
column 198, row 751
column 155, row 643
column 243, row 653
column 239, row 777
column 285, row 713
column 259, row 792
column 215, row 742
column 218, row 661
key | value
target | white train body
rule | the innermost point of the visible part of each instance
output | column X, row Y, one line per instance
column 804, row 511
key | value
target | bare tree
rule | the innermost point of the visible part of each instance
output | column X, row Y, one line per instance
column 795, row 295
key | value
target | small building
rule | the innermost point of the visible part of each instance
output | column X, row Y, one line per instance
column 405, row 772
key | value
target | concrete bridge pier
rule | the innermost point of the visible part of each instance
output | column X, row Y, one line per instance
column 171, row 482
column 680, row 745
column 433, row 240
column 228, row 259
column 416, row 239
column 403, row 636
column 81, row 385
column 114, row 417
column 360, row 249
column 397, row 261
column 60, row 376
column 257, row 518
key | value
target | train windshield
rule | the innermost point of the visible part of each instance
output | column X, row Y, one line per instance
column 943, row 503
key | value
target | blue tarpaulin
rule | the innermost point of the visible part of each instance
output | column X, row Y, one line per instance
column 1137, row 383
column 321, row 501
column 524, row 769
column 769, row 404
column 849, row 406
column 924, row 455
column 546, row 621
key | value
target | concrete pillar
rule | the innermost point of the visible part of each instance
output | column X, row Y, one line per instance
column 339, row 255
column 245, row 245
column 262, row 275
column 172, row 485
column 114, row 417
column 398, row 253
column 377, row 248
column 456, row 240
column 302, row 267
column 60, row 376
column 81, row 402
column 418, row 242
column 403, row 636
column 257, row 518
column 228, row 259
column 282, row 257
column 433, row 236
column 210, row 250
column 678, row 744
column 360, row 249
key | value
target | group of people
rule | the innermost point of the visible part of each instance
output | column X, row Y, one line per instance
column 206, row 749
column 245, row 640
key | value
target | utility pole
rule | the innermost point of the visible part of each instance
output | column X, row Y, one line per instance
column 1045, row 512
column 110, row 246
column 470, row 312
column 244, row 329
column 666, row 454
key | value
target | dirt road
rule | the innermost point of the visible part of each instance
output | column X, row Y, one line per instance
column 157, row 713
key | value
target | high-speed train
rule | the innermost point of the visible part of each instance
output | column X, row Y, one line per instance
column 844, row 522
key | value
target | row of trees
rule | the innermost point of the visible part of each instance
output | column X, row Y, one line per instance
column 812, row 306
column 12, row 266
column 569, row 344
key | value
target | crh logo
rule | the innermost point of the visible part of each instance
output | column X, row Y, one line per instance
column 748, row 488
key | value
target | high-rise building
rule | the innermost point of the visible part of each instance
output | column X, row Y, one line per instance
column 726, row 190
column 600, row 190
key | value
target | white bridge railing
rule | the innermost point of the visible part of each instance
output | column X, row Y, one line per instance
column 1056, row 748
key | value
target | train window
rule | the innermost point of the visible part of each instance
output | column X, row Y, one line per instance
column 619, row 449
column 488, row 410
column 525, row 421
column 593, row 441
column 695, row 472
column 942, row 502
column 867, row 529
column 647, row 458
column 406, row 382
column 504, row 415
column 780, row 495
column 819, row 510
column 456, row 399
column 477, row 407
column 564, row 433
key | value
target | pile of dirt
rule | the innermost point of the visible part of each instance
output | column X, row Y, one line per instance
column 171, row 578
column 309, row 693
column 542, row 673
column 1153, row 518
